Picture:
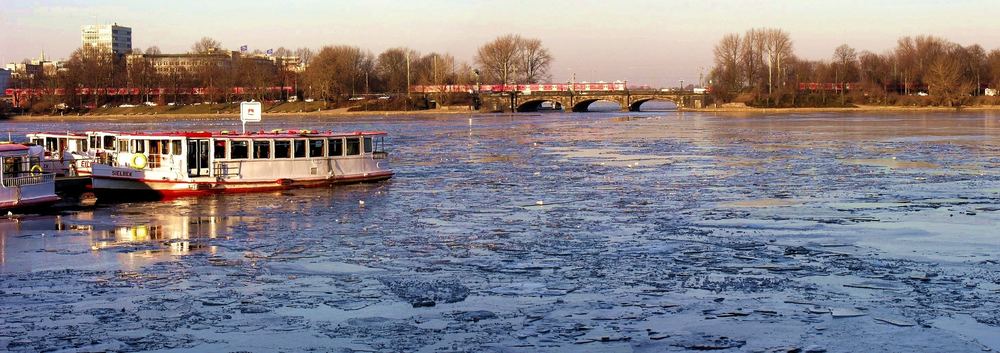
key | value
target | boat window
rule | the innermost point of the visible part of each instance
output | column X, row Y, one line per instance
column 156, row 147
column 315, row 148
column 82, row 145
column 220, row 149
column 176, row 147
column 262, row 149
column 123, row 145
column 12, row 166
column 94, row 141
column 353, row 146
column 38, row 141
column 109, row 142
column 51, row 144
column 379, row 144
column 368, row 145
column 239, row 149
column 282, row 149
column 336, row 148
column 140, row 146
column 300, row 148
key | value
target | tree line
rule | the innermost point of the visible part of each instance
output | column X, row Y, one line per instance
column 759, row 67
column 332, row 73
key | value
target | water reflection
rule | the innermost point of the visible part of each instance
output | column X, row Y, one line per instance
column 177, row 235
column 91, row 238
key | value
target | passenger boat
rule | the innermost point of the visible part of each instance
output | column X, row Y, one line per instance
column 23, row 183
column 66, row 154
column 197, row 163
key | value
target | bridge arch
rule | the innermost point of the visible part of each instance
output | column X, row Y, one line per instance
column 584, row 105
column 636, row 104
column 534, row 104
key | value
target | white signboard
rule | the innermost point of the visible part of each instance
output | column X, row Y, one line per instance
column 250, row 112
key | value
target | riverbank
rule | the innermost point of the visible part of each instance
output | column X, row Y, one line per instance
column 858, row 108
column 208, row 112
column 331, row 113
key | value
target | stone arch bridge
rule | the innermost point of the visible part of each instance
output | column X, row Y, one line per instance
column 628, row 100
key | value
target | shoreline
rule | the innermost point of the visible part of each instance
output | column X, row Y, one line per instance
column 335, row 113
column 342, row 113
column 858, row 108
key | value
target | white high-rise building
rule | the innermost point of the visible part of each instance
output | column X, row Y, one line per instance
column 113, row 37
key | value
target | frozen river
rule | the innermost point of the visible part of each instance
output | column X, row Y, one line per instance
column 597, row 232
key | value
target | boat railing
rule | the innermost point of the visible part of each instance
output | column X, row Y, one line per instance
column 227, row 169
column 27, row 179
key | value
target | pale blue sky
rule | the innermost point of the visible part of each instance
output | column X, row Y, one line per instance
column 657, row 42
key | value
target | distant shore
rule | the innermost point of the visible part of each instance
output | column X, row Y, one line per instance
column 344, row 112
column 332, row 113
column 858, row 108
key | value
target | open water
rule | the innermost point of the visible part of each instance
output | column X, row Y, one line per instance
column 599, row 232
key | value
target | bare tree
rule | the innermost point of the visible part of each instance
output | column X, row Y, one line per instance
column 993, row 66
column 535, row 61
column 727, row 73
column 777, row 48
column 337, row 71
column 845, row 61
column 205, row 45
column 153, row 50
column 282, row 51
column 435, row 69
column 392, row 65
column 305, row 55
column 512, row 59
column 944, row 80
column 499, row 59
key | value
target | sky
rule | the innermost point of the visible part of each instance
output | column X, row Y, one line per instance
column 644, row 42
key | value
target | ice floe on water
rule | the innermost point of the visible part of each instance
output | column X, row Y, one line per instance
column 554, row 233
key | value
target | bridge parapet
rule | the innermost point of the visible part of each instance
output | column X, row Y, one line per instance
column 628, row 100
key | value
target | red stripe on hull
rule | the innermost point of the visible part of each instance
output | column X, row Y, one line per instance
column 233, row 187
column 25, row 204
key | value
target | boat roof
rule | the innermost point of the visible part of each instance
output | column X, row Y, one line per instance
column 58, row 134
column 12, row 147
column 258, row 134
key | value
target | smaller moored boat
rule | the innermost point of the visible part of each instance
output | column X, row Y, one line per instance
column 66, row 154
column 23, row 183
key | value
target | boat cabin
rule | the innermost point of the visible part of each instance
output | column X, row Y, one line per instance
column 23, row 183
column 65, row 153
column 229, row 160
